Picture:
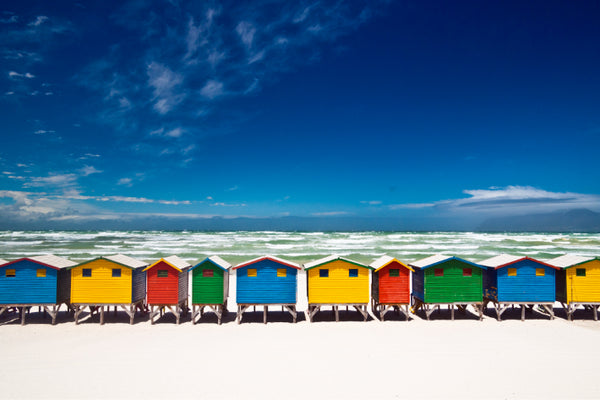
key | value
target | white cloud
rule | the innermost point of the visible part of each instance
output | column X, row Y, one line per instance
column 510, row 200
column 13, row 19
column 60, row 180
column 166, row 87
column 89, row 170
column 39, row 20
column 16, row 75
column 330, row 213
column 212, row 89
column 43, row 131
column 125, row 182
column 371, row 202
column 174, row 133
column 246, row 31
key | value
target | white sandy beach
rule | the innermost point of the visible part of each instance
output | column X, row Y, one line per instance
column 351, row 359
column 465, row 358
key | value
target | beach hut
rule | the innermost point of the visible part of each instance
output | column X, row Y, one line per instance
column 577, row 283
column 167, row 287
column 266, row 281
column 210, row 287
column 519, row 281
column 441, row 279
column 117, row 280
column 337, row 281
column 390, row 286
column 42, row 281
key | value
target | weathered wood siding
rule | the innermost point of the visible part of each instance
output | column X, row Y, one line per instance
column 418, row 284
column 266, row 287
column 64, row 286
column 338, row 287
column 183, row 285
column 139, row 285
column 453, row 286
column 101, row 287
column 26, row 287
column 584, row 288
column 393, row 289
column 490, row 284
column 208, row 290
column 526, row 286
column 162, row 290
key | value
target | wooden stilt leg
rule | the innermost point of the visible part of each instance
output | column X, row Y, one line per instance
column 101, row 315
column 522, row 312
column 595, row 308
column 451, row 311
column 23, row 315
column 265, row 310
column 337, row 316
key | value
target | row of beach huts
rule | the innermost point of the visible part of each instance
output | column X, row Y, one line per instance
column 119, row 281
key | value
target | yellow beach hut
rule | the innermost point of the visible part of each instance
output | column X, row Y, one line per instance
column 577, row 283
column 118, row 281
column 334, row 281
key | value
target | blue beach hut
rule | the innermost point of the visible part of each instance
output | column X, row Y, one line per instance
column 42, row 281
column 266, row 281
column 519, row 281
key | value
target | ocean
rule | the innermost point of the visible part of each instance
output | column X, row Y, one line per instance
column 301, row 247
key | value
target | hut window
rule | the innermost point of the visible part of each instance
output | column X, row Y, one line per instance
column 86, row 272
column 10, row 273
column 438, row 272
column 580, row 272
column 208, row 273
column 251, row 271
column 41, row 273
column 512, row 272
column 116, row 272
column 353, row 272
column 467, row 271
column 540, row 272
column 323, row 273
column 394, row 272
column 281, row 272
column 162, row 273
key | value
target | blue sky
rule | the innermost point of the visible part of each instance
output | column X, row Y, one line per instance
column 189, row 110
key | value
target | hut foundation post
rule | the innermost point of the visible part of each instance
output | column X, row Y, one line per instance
column 23, row 315
column 595, row 313
column 265, row 310
column 337, row 316
column 451, row 306
column 101, row 315
column 522, row 312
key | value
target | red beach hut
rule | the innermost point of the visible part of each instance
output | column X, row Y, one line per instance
column 167, row 286
column 390, row 286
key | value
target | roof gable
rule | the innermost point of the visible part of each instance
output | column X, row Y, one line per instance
column 215, row 260
column 173, row 261
column 48, row 260
column 504, row 260
column 120, row 259
column 437, row 259
column 570, row 260
column 332, row 258
column 386, row 260
column 271, row 258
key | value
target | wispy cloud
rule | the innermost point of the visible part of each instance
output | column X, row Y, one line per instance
column 510, row 200
column 330, row 213
column 43, row 131
column 39, row 20
column 16, row 75
column 166, row 87
column 212, row 89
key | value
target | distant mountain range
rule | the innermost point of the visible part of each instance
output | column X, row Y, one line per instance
column 579, row 220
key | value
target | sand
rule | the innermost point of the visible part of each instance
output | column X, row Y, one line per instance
column 465, row 358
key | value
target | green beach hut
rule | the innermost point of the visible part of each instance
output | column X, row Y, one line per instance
column 210, row 287
column 448, row 280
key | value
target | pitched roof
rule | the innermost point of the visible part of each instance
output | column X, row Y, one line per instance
column 332, row 258
column 54, row 261
column 272, row 258
column 120, row 259
column 503, row 260
column 570, row 260
column 384, row 261
column 48, row 260
column 437, row 259
column 216, row 260
column 174, row 261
